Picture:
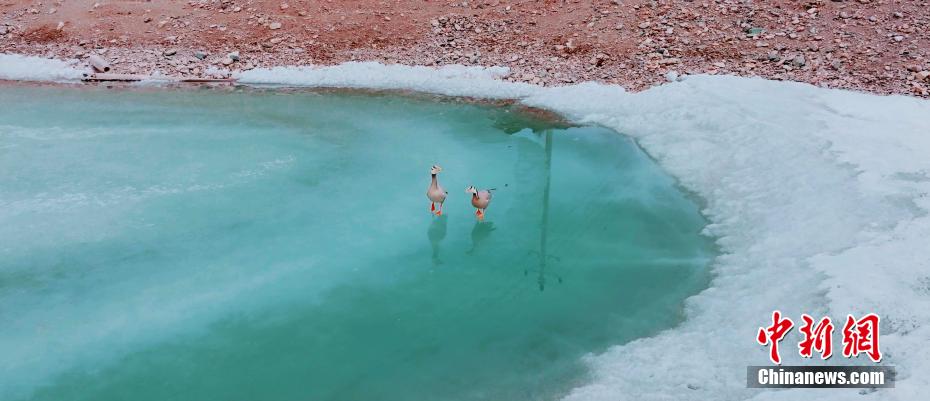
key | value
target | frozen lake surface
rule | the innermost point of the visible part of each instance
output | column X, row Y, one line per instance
column 250, row 244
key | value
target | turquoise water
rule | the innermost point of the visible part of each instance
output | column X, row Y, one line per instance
column 237, row 244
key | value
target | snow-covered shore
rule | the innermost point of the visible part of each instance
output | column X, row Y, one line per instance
column 818, row 198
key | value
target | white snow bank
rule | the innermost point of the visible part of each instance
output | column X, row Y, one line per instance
column 818, row 198
column 27, row 68
column 452, row 80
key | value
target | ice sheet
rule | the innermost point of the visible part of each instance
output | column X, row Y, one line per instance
column 818, row 198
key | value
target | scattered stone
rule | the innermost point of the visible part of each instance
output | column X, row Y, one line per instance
column 754, row 31
column 171, row 52
column 274, row 26
column 599, row 59
column 146, row 19
column 61, row 25
column 799, row 61
column 200, row 55
column 898, row 38
column 3, row 30
column 226, row 61
column 234, row 56
column 922, row 76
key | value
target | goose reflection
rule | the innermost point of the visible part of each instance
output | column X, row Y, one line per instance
column 480, row 232
column 436, row 233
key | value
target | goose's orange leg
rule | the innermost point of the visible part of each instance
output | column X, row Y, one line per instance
column 432, row 207
column 479, row 214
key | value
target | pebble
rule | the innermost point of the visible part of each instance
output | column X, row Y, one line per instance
column 274, row 26
column 200, row 55
column 234, row 56
column 171, row 52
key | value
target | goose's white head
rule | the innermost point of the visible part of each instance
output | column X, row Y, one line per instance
column 471, row 190
column 435, row 169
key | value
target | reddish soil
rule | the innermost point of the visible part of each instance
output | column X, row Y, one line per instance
column 881, row 46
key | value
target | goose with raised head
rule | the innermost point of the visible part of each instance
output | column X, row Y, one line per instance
column 480, row 200
column 435, row 193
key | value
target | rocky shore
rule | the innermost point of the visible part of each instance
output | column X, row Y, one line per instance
column 880, row 46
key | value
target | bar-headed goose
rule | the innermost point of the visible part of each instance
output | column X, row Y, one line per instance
column 435, row 193
column 480, row 200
